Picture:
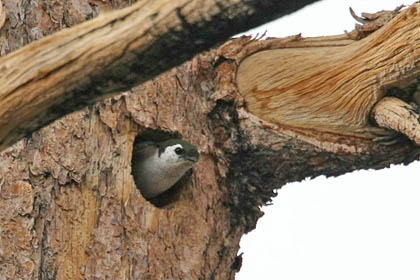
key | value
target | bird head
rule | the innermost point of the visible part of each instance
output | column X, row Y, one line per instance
column 178, row 151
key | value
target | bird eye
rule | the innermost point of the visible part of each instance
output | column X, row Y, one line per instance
column 179, row 151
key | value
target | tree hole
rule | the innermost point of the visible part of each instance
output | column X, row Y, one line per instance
column 150, row 136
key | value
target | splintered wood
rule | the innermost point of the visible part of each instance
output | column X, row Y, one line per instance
column 331, row 84
column 393, row 113
column 371, row 22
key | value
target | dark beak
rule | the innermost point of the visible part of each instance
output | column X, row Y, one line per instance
column 192, row 156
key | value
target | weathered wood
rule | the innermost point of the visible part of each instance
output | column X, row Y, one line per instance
column 331, row 84
column 3, row 15
column 77, row 66
column 393, row 113
column 70, row 208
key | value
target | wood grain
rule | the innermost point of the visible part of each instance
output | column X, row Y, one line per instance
column 393, row 113
column 318, row 84
column 112, row 53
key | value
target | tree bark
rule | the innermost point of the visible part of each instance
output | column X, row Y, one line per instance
column 70, row 208
column 112, row 53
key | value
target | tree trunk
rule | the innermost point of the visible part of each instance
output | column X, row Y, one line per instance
column 71, row 210
column 117, row 50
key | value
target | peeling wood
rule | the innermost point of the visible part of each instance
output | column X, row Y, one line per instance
column 70, row 208
column 371, row 22
column 319, row 85
column 393, row 113
column 114, row 52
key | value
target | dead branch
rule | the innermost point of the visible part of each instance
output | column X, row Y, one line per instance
column 112, row 53
column 329, row 85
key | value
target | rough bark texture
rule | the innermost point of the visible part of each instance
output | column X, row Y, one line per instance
column 70, row 209
column 70, row 206
column 114, row 52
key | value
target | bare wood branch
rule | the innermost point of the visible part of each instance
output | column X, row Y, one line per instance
column 329, row 85
column 69, row 205
column 393, row 113
column 112, row 53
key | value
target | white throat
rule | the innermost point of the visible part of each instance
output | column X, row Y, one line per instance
column 160, row 172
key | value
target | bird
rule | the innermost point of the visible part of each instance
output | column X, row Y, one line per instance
column 157, row 166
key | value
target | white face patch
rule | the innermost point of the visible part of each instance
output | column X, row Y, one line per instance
column 169, row 155
column 159, row 172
